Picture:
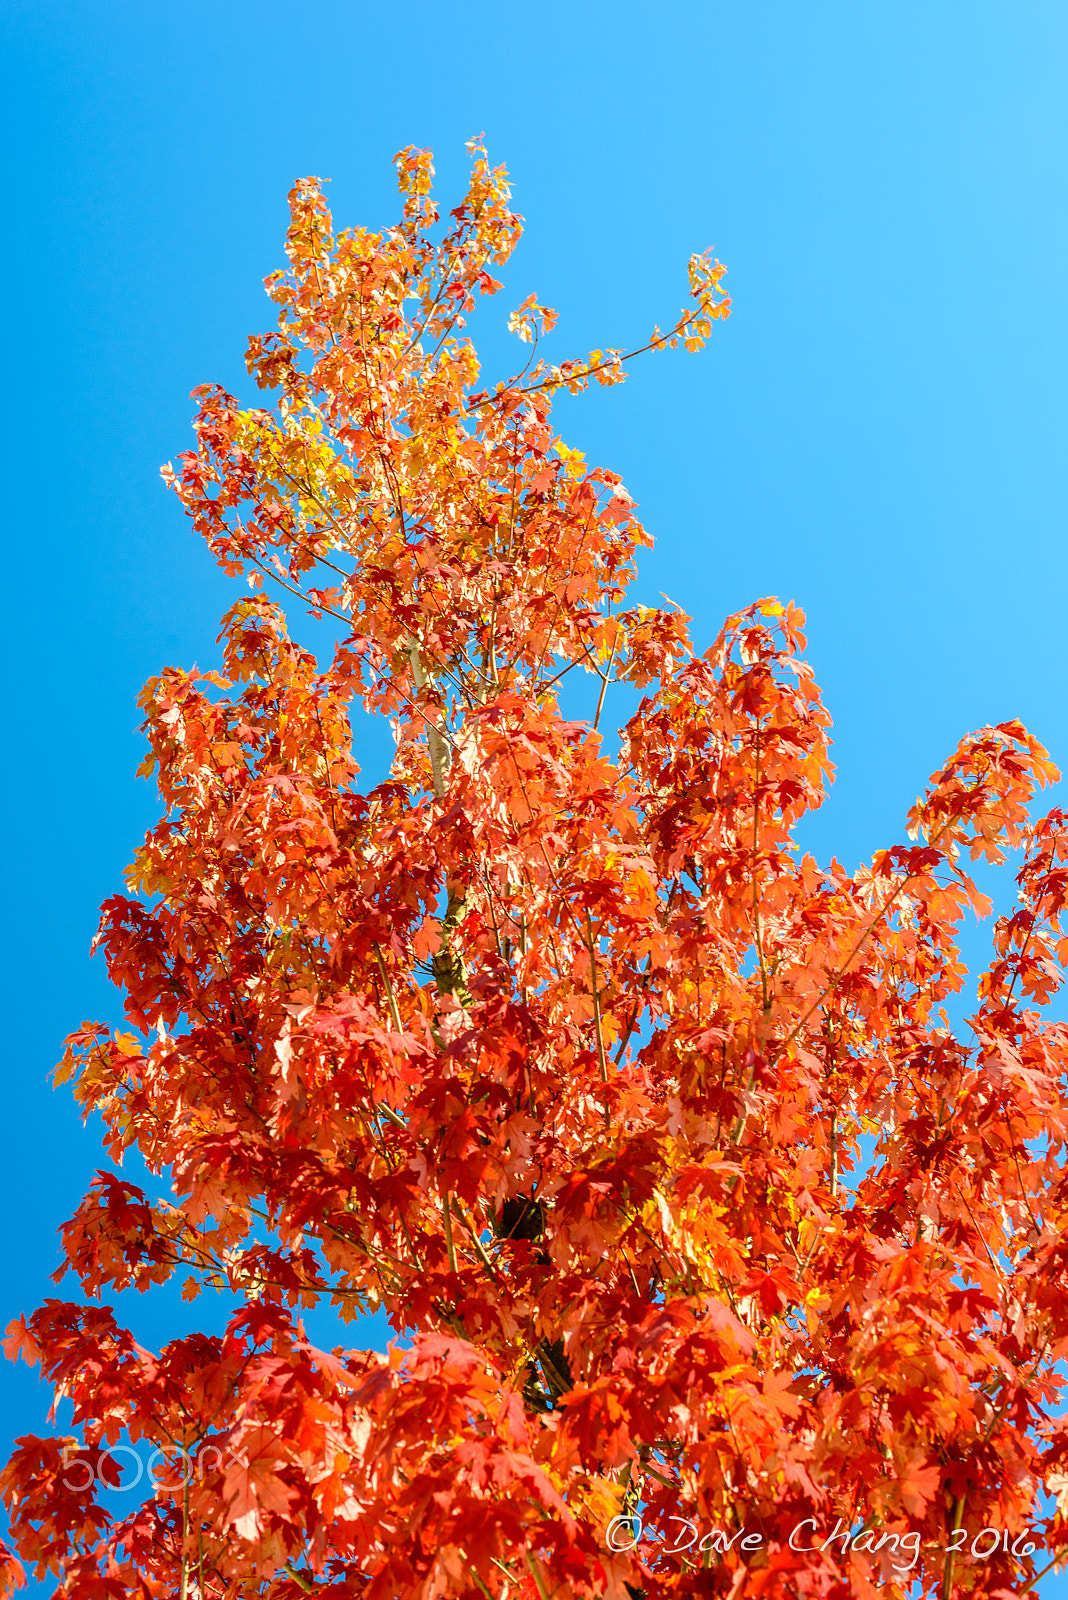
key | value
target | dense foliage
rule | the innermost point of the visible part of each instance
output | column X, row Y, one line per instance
column 564, row 1059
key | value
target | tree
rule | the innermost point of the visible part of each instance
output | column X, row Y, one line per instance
column 721, row 1263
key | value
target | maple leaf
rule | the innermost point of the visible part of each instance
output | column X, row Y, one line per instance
column 918, row 1485
column 19, row 1341
column 251, row 1484
column 12, row 1575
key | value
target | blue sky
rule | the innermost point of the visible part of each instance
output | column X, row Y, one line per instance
column 878, row 433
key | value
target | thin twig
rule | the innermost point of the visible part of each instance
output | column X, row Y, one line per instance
column 597, row 1012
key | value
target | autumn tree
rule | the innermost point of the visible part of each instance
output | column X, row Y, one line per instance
column 561, row 1055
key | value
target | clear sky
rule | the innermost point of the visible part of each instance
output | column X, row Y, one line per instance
column 878, row 433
